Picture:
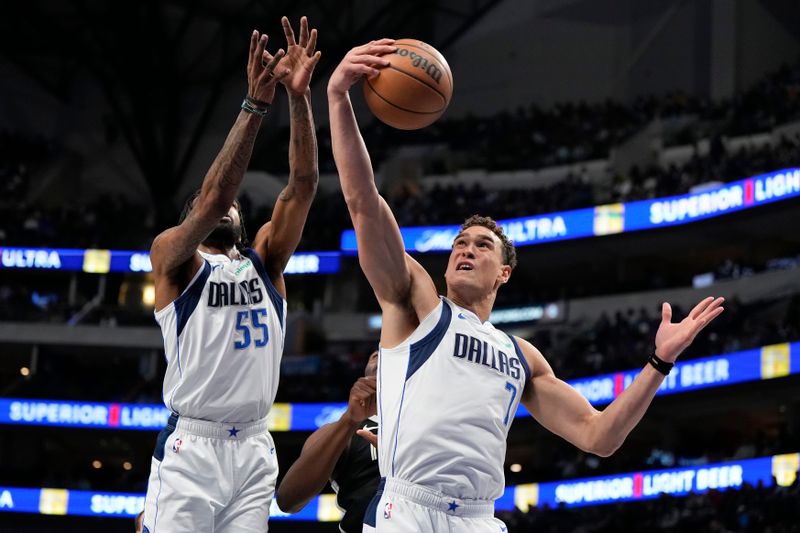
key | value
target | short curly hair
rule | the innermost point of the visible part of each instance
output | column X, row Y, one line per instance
column 509, row 252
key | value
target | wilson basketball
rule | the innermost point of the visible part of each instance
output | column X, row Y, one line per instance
column 414, row 90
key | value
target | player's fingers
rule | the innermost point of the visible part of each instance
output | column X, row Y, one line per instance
column 363, row 70
column 368, row 436
column 303, row 31
column 700, row 307
column 272, row 63
column 312, row 42
column 253, row 43
column 708, row 316
column 363, row 389
column 666, row 313
column 381, row 49
column 366, row 59
column 288, row 31
column 314, row 60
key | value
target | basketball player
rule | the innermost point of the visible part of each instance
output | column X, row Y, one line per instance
column 337, row 452
column 448, row 382
column 222, row 311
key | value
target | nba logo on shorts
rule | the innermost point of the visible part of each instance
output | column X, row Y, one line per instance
column 176, row 446
column 387, row 511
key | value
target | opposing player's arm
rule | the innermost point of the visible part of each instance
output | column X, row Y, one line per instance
column 562, row 409
column 323, row 449
column 277, row 240
column 176, row 246
column 381, row 253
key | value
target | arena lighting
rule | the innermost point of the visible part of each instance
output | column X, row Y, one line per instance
column 616, row 218
column 25, row 371
column 516, row 467
column 625, row 487
column 767, row 362
column 127, row 465
column 149, row 295
column 97, row 464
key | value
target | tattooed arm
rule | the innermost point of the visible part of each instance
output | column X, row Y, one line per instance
column 174, row 252
column 277, row 239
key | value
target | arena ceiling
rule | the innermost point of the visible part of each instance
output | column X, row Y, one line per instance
column 151, row 57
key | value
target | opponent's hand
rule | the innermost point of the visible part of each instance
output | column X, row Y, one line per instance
column 300, row 58
column 361, row 404
column 365, row 60
column 672, row 339
column 263, row 71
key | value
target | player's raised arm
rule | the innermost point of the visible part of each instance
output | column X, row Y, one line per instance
column 176, row 246
column 380, row 247
column 562, row 410
column 278, row 239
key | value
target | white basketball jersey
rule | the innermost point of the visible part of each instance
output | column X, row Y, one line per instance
column 223, row 337
column 446, row 398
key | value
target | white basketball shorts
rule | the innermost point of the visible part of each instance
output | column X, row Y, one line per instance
column 402, row 507
column 211, row 477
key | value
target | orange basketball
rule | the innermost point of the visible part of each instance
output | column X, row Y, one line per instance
column 414, row 90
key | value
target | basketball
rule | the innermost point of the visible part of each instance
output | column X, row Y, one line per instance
column 414, row 90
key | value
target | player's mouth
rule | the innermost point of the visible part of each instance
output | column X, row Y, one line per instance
column 226, row 219
column 465, row 265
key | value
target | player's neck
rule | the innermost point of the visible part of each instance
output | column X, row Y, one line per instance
column 213, row 249
column 481, row 305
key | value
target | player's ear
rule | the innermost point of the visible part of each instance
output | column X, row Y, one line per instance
column 505, row 274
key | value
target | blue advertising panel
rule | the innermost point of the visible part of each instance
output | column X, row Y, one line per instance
column 767, row 362
column 16, row 500
column 103, row 261
column 650, row 484
column 616, row 218
column 523, row 231
column 749, row 365
column 602, row 490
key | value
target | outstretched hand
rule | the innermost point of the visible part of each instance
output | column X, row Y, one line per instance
column 300, row 58
column 263, row 70
column 365, row 60
column 672, row 339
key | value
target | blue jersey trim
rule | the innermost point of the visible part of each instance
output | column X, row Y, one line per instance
column 186, row 303
column 521, row 357
column 274, row 295
column 160, row 453
column 371, row 514
column 422, row 350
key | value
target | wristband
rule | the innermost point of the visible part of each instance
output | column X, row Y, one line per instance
column 254, row 106
column 659, row 364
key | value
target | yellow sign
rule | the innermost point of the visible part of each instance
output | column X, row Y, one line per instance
column 96, row 261
column 327, row 510
column 784, row 468
column 609, row 219
column 526, row 496
column 775, row 361
column 53, row 501
column 280, row 417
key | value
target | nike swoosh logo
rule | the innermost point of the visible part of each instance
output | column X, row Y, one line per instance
column 369, row 429
column 461, row 316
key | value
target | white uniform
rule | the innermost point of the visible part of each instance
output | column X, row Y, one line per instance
column 214, row 466
column 446, row 398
